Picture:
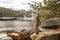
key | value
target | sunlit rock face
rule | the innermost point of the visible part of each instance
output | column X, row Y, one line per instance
column 50, row 35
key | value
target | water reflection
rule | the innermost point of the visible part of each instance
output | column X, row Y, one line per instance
column 17, row 25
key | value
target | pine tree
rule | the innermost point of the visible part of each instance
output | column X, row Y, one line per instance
column 50, row 10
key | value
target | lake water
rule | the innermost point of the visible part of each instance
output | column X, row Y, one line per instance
column 16, row 25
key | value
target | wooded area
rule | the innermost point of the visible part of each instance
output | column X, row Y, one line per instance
column 51, row 9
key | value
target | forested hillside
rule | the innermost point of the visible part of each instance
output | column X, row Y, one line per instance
column 4, row 12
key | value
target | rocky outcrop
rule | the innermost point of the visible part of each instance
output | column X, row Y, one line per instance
column 51, row 35
column 50, row 24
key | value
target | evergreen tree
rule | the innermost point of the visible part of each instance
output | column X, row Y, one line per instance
column 51, row 9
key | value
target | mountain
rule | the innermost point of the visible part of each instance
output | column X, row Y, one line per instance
column 5, row 12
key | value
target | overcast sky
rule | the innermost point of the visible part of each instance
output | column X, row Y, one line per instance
column 17, row 4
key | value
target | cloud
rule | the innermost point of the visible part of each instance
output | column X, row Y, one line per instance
column 6, row 1
column 16, row 4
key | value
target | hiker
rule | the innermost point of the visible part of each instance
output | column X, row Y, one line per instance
column 37, row 21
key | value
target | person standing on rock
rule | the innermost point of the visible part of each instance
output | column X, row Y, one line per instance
column 38, row 22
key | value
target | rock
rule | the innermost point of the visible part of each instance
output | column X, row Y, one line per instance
column 51, row 35
column 51, row 23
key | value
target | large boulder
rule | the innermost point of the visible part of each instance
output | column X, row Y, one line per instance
column 50, row 24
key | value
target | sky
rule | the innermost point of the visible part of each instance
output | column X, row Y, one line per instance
column 17, row 4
